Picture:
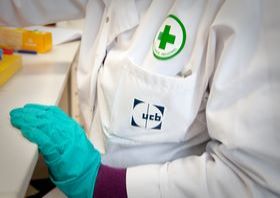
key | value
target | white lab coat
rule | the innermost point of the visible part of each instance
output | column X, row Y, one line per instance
column 232, row 48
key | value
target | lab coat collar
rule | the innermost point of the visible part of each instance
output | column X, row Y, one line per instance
column 122, row 15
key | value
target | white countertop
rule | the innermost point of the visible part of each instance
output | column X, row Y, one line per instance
column 41, row 80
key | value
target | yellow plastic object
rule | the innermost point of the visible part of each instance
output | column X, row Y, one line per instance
column 9, row 65
column 22, row 39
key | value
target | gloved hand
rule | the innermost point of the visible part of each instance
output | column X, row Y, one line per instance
column 72, row 160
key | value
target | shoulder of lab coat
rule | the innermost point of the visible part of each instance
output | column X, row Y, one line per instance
column 37, row 12
column 242, row 159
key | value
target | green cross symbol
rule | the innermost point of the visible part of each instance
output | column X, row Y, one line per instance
column 165, row 37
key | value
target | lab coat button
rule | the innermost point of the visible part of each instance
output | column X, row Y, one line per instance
column 107, row 19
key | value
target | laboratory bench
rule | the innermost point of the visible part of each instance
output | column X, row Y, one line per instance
column 41, row 79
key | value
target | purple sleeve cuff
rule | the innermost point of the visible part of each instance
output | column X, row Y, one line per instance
column 110, row 182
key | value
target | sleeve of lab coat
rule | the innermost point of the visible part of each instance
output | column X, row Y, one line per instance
column 243, row 115
column 34, row 12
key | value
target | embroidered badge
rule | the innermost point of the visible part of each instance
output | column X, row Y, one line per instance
column 170, row 39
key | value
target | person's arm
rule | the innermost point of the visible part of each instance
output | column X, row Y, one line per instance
column 38, row 12
column 243, row 116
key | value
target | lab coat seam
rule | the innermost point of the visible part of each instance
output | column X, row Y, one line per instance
column 163, row 181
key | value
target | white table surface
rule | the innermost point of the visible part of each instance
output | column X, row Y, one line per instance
column 41, row 80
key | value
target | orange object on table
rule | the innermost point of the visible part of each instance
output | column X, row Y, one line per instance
column 22, row 39
column 9, row 65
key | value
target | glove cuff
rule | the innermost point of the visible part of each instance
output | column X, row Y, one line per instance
column 81, row 186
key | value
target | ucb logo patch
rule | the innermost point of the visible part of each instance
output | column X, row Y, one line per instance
column 147, row 115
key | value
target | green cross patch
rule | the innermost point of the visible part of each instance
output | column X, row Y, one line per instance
column 165, row 37
column 170, row 39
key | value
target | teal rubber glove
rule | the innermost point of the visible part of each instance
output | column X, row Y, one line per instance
column 72, row 160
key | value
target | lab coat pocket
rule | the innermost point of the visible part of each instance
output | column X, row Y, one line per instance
column 145, row 107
